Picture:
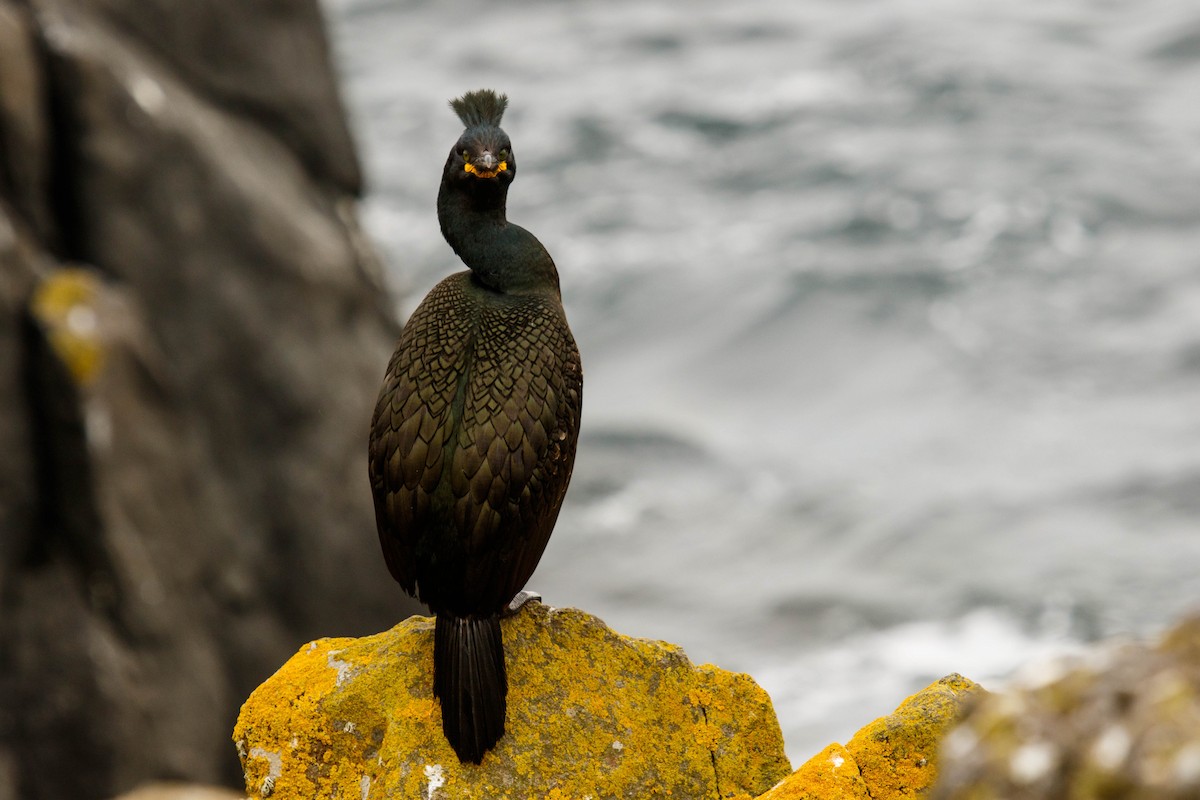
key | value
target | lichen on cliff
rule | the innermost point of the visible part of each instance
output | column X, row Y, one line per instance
column 64, row 304
column 590, row 713
column 891, row 758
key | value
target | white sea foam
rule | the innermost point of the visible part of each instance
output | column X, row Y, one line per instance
column 827, row 694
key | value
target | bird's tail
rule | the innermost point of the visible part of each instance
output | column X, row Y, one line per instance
column 469, row 679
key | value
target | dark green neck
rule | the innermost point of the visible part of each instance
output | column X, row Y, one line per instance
column 504, row 257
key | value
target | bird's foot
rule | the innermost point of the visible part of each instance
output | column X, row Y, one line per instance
column 519, row 601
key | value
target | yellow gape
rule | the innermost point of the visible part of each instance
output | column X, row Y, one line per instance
column 501, row 167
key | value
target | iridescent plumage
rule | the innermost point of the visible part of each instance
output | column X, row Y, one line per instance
column 473, row 438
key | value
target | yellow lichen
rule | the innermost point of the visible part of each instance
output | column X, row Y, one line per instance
column 832, row 774
column 65, row 306
column 735, row 702
column 707, row 735
column 897, row 754
column 589, row 713
column 271, row 720
column 893, row 757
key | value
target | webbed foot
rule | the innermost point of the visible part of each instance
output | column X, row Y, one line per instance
column 519, row 601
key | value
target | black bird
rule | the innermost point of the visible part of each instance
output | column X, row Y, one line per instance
column 473, row 438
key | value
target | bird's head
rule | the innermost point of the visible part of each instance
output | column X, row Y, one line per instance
column 483, row 154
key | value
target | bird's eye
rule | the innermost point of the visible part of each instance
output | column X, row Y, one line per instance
column 466, row 156
column 504, row 155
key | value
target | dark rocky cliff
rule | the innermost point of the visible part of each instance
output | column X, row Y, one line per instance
column 192, row 331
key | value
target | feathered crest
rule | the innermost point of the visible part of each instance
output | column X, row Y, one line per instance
column 483, row 107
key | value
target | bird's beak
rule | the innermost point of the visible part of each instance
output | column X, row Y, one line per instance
column 485, row 165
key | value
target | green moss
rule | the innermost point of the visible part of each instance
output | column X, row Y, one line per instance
column 590, row 713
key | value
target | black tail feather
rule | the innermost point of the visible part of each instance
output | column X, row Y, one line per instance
column 469, row 679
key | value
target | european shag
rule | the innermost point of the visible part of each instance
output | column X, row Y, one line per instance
column 473, row 438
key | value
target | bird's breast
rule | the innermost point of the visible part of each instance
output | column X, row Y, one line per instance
column 477, row 385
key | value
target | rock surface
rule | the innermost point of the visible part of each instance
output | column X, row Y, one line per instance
column 893, row 757
column 192, row 334
column 590, row 714
column 1123, row 721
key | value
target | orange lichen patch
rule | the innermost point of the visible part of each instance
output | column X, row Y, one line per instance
column 65, row 306
column 754, row 758
column 893, row 757
column 279, row 728
column 590, row 713
column 897, row 754
column 707, row 735
column 831, row 774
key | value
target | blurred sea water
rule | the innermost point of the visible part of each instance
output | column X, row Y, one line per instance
column 889, row 311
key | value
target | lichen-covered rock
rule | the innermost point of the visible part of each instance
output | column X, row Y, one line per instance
column 590, row 713
column 831, row 774
column 897, row 754
column 1118, row 722
column 64, row 306
column 893, row 757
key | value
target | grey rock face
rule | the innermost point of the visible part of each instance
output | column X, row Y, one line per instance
column 192, row 333
column 244, row 57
